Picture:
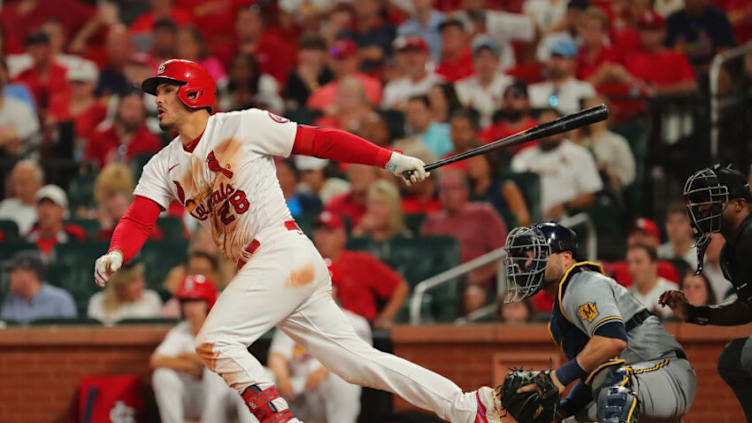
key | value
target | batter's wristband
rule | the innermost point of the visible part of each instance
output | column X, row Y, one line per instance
column 699, row 315
column 570, row 372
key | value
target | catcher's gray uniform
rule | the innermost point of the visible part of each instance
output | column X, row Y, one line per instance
column 660, row 374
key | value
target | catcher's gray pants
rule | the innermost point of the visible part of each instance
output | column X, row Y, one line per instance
column 735, row 367
column 666, row 389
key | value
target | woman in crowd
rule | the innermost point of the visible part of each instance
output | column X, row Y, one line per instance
column 505, row 195
column 248, row 87
column 384, row 218
column 125, row 297
column 190, row 45
column 350, row 110
column 697, row 289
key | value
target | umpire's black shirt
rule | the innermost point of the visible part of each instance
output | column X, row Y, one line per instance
column 736, row 261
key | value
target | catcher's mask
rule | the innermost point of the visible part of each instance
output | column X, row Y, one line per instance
column 707, row 193
column 527, row 257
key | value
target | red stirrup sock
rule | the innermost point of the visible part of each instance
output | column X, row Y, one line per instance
column 267, row 405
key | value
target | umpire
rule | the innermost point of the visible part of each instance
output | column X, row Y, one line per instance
column 594, row 319
column 719, row 200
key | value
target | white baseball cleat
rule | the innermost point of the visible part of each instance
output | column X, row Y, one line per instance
column 489, row 406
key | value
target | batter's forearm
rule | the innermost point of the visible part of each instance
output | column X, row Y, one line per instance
column 338, row 145
column 730, row 314
column 135, row 227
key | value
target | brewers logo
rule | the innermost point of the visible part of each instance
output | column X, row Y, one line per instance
column 588, row 311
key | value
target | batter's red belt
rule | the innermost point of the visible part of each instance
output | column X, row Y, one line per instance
column 290, row 225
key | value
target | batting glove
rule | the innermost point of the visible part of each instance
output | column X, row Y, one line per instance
column 106, row 265
column 410, row 169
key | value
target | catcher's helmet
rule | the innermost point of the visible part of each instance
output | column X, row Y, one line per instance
column 197, row 89
column 197, row 287
column 707, row 193
column 528, row 249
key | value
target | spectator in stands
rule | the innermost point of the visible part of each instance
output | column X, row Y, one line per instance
column 19, row 126
column 183, row 386
column 712, row 268
column 564, row 187
column 125, row 297
column 126, row 137
column 456, row 55
column 372, row 34
column 700, row 31
column 20, row 206
column 697, row 289
column 310, row 73
column 314, row 179
column 421, row 198
column 85, row 109
column 517, row 312
column 483, row 90
column 643, row 232
column 613, row 157
column 424, row 23
column 561, row 90
column 190, row 45
column 514, row 116
column 418, row 79
column 679, row 232
column 463, row 132
column 476, row 226
column 46, row 79
column 30, row 298
column 55, row 30
column 352, row 204
column 159, row 10
column 119, row 50
column 49, row 231
column 362, row 280
column 596, row 57
column 299, row 203
column 443, row 100
column 647, row 286
column 247, row 86
column 424, row 129
column 376, row 130
column 164, row 40
column 350, row 109
column 113, row 194
column 384, row 218
column 564, row 30
column 504, row 195
column 658, row 70
column 345, row 63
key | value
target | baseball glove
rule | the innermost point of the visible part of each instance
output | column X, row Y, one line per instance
column 537, row 406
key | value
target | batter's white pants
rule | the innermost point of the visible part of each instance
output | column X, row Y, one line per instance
column 286, row 284
column 180, row 396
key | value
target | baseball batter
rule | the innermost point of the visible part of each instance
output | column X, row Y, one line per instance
column 221, row 168
column 595, row 319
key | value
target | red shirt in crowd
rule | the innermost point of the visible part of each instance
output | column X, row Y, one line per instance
column 587, row 65
column 620, row 272
column 275, row 56
column 215, row 18
column 343, row 205
column 103, row 145
column 145, row 22
column 413, row 205
column 86, row 123
column 501, row 129
column 73, row 14
column 325, row 96
column 478, row 228
column 69, row 232
column 662, row 67
column 361, row 281
column 454, row 71
column 52, row 90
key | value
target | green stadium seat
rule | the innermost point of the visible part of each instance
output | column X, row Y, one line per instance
column 137, row 164
column 49, row 321
column 91, row 226
column 530, row 186
column 171, row 227
column 8, row 249
column 395, row 122
column 81, row 192
column 303, row 115
column 413, row 222
column 305, row 223
column 609, row 221
column 9, row 230
column 159, row 258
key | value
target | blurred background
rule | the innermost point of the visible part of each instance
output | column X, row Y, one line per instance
column 418, row 265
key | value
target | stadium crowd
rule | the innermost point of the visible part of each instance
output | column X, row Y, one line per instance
column 430, row 78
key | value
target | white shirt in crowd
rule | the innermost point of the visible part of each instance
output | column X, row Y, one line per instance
column 566, row 172
column 612, row 150
column 149, row 306
column 720, row 285
column 401, row 90
column 18, row 116
column 666, row 252
column 545, row 13
column 486, row 99
column 23, row 214
column 650, row 299
column 565, row 97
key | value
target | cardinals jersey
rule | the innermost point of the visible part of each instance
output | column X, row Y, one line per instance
column 226, row 178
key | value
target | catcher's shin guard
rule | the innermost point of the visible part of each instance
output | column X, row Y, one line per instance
column 267, row 405
column 612, row 391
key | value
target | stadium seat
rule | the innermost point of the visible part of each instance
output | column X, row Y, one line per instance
column 303, row 115
column 137, row 164
column 73, row 270
column 149, row 321
column 395, row 122
column 61, row 321
column 305, row 223
column 413, row 222
column 609, row 227
column 530, row 186
column 9, row 230
column 91, row 226
column 159, row 258
column 171, row 227
column 8, row 249
column 81, row 192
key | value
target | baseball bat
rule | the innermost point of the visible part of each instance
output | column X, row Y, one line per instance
column 563, row 124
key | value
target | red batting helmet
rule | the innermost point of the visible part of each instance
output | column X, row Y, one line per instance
column 197, row 287
column 197, row 89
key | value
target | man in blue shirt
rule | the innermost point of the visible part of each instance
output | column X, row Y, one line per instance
column 425, row 24
column 700, row 31
column 29, row 298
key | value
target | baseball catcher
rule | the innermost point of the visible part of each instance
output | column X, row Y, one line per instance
column 594, row 319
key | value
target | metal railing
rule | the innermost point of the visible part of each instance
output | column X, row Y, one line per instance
column 715, row 100
column 416, row 300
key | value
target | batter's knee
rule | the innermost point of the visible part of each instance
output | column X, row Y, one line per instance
column 729, row 363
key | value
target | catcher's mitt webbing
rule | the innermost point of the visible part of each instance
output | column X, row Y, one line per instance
column 538, row 406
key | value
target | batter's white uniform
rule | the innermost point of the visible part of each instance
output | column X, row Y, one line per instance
column 180, row 396
column 229, row 183
column 335, row 400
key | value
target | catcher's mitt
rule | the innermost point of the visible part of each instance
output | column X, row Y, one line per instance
column 537, row 406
